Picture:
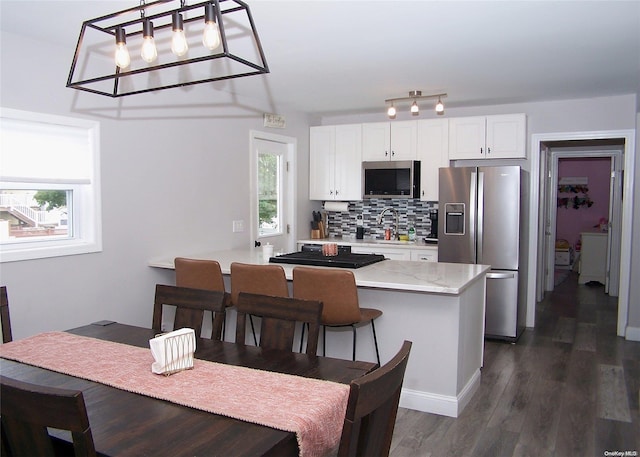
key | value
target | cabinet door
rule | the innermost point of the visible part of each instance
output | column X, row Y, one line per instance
column 376, row 141
column 467, row 138
column 348, row 162
column 424, row 255
column 403, row 140
column 322, row 163
column 506, row 136
column 392, row 254
column 433, row 153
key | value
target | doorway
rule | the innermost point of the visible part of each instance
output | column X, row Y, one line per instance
column 584, row 195
column 272, row 186
column 540, row 183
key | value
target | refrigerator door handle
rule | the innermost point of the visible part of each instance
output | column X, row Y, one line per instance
column 492, row 275
column 480, row 229
column 473, row 189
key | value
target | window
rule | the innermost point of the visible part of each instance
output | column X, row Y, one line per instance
column 49, row 186
column 269, row 214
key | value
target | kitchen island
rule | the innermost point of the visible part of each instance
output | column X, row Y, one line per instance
column 438, row 306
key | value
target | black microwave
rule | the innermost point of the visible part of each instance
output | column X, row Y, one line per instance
column 389, row 179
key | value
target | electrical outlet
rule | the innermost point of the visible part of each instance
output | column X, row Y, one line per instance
column 238, row 226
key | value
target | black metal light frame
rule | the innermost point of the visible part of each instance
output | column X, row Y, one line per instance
column 144, row 10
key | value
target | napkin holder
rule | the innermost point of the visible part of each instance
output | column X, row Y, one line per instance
column 173, row 351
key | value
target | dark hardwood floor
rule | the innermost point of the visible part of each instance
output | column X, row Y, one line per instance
column 569, row 387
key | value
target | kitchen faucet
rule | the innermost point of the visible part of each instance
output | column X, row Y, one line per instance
column 396, row 217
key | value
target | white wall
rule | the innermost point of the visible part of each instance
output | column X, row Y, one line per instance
column 634, row 293
column 173, row 179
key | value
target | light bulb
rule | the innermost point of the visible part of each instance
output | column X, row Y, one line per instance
column 439, row 107
column 211, row 36
column 123, row 59
column 149, row 53
column 179, row 44
column 391, row 112
column 415, row 110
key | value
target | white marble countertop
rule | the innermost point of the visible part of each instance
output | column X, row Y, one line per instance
column 431, row 277
column 370, row 242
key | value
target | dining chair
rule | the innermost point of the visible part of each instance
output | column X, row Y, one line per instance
column 372, row 407
column 4, row 315
column 279, row 316
column 28, row 409
column 257, row 279
column 190, row 306
column 337, row 291
column 203, row 274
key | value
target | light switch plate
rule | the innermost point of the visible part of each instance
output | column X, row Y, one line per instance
column 238, row 226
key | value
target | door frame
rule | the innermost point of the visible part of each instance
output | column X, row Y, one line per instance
column 537, row 143
column 290, row 202
column 615, row 155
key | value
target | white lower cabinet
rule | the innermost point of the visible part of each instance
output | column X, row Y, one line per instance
column 389, row 253
column 425, row 255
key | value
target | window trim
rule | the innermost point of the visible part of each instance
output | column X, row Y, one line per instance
column 87, row 220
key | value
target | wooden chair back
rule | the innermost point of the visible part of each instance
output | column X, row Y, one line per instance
column 202, row 274
column 190, row 306
column 279, row 317
column 4, row 315
column 28, row 409
column 336, row 289
column 372, row 407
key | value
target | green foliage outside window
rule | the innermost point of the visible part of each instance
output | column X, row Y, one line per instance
column 51, row 198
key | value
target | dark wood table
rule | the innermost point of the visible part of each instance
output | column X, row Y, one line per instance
column 128, row 424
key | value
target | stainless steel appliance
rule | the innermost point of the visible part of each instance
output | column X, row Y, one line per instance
column 311, row 254
column 387, row 179
column 481, row 210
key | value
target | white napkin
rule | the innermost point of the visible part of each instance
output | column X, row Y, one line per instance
column 173, row 351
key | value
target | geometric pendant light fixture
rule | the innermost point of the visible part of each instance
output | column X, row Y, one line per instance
column 166, row 44
column 413, row 98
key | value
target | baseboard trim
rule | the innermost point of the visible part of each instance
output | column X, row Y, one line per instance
column 632, row 334
column 445, row 405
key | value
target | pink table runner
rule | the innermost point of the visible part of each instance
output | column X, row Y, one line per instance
column 312, row 409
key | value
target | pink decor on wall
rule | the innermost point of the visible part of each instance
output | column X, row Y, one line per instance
column 570, row 222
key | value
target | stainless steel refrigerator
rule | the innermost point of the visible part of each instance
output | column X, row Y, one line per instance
column 480, row 221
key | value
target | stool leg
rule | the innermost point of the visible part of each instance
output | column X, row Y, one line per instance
column 253, row 330
column 302, row 335
column 353, row 328
column 375, row 341
column 324, row 340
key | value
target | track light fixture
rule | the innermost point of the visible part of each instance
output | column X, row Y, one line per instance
column 162, row 60
column 414, row 96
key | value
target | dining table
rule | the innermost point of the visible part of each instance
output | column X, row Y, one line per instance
column 125, row 423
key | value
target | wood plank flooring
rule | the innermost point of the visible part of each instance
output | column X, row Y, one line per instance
column 569, row 387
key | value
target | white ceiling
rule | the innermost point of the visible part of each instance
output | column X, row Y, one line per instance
column 349, row 56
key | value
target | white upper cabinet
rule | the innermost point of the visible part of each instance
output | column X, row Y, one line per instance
column 335, row 162
column 433, row 153
column 488, row 137
column 389, row 141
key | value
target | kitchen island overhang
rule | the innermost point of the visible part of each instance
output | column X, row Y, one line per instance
column 438, row 306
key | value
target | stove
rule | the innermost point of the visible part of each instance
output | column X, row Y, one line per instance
column 315, row 258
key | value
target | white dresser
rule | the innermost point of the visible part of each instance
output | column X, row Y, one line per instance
column 593, row 257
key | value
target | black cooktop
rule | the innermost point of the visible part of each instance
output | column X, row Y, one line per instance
column 314, row 258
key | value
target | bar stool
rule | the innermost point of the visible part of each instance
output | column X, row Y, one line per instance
column 337, row 290
column 257, row 279
column 203, row 274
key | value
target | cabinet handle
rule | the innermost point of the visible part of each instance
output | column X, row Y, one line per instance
column 330, row 192
column 386, row 153
column 336, row 192
column 488, row 150
column 393, row 153
column 480, row 150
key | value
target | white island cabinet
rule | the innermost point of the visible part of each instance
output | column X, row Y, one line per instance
column 440, row 307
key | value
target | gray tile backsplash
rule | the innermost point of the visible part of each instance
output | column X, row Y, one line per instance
column 417, row 211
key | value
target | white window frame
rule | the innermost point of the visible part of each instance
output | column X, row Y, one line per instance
column 86, row 231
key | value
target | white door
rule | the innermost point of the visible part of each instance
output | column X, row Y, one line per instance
column 272, row 191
